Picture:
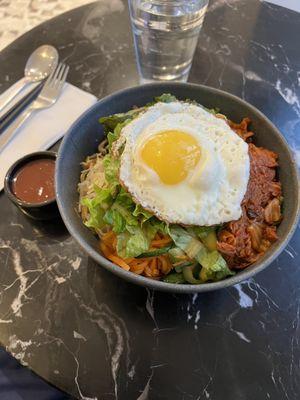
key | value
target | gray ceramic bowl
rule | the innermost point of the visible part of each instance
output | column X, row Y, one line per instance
column 85, row 134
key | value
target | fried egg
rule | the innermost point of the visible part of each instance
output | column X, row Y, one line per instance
column 184, row 164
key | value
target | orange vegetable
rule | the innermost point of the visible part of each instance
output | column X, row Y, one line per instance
column 161, row 242
column 108, row 236
column 153, row 267
column 119, row 261
column 105, row 249
column 166, row 266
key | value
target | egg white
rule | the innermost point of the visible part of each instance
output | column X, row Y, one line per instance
column 212, row 192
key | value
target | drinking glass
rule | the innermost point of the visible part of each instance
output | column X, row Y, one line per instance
column 165, row 35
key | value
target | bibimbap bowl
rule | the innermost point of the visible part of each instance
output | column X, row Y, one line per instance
column 86, row 133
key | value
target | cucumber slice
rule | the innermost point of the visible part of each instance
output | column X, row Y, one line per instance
column 157, row 252
column 188, row 275
column 174, row 278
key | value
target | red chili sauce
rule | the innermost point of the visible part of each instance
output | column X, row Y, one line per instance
column 34, row 181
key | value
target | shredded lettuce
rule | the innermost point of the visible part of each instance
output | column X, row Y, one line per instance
column 139, row 211
column 97, row 207
column 214, row 267
column 111, row 168
column 177, row 255
column 111, row 122
column 207, row 235
column 164, row 98
column 137, row 243
column 188, row 243
column 114, row 135
column 113, row 206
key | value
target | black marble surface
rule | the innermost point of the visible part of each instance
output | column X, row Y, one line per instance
column 97, row 337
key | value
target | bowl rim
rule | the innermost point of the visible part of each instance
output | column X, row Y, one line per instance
column 160, row 285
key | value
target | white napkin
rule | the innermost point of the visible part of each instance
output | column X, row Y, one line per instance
column 45, row 127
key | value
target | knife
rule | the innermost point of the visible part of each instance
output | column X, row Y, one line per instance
column 8, row 117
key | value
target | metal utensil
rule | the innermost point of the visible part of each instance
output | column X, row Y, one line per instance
column 46, row 98
column 13, row 111
column 39, row 65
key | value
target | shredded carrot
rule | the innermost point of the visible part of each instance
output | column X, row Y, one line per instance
column 136, row 261
column 119, row 261
column 165, row 264
column 138, row 269
column 153, row 267
column 153, row 263
column 139, row 265
column 161, row 242
column 108, row 236
column 129, row 260
column 105, row 249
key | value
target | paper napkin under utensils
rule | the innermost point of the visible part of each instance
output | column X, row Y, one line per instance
column 45, row 127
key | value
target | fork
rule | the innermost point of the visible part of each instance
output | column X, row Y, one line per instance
column 46, row 98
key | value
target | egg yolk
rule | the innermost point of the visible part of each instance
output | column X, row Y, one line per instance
column 171, row 154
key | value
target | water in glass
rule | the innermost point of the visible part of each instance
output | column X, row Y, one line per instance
column 165, row 36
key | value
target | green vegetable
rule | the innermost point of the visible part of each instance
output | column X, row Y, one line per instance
column 122, row 240
column 110, row 122
column 111, row 169
column 156, row 252
column 115, row 219
column 213, row 264
column 188, row 275
column 113, row 124
column 113, row 206
column 165, row 98
column 122, row 216
column 112, row 136
column 214, row 267
column 137, row 243
column 139, row 211
column 174, row 278
column 188, row 243
column 181, row 266
column 212, row 110
column 177, row 255
column 207, row 235
column 119, row 215
column 97, row 207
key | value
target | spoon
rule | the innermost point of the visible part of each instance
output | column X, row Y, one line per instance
column 39, row 65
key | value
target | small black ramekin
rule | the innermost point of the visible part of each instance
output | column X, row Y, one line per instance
column 39, row 211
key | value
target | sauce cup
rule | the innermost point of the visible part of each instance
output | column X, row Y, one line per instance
column 44, row 208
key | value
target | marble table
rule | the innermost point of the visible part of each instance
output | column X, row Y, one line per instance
column 97, row 337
